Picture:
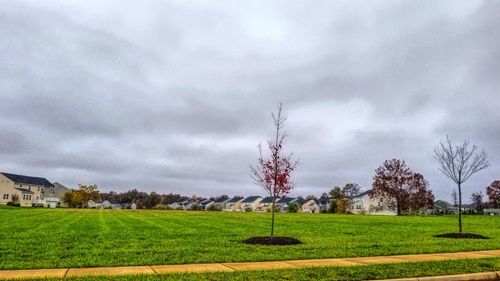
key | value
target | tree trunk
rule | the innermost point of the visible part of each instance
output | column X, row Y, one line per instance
column 272, row 221
column 459, row 208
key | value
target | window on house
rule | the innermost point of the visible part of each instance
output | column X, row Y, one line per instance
column 6, row 197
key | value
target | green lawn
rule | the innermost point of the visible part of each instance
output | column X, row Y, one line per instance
column 381, row 271
column 46, row 238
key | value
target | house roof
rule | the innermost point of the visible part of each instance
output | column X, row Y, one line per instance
column 221, row 200
column 27, row 179
column 251, row 199
column 24, row 190
column 286, row 200
column 323, row 201
column 235, row 199
column 206, row 202
column 363, row 193
column 442, row 204
column 268, row 199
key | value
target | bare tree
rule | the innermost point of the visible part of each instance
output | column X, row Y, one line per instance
column 459, row 163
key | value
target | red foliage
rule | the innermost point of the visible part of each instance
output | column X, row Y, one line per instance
column 493, row 192
column 395, row 180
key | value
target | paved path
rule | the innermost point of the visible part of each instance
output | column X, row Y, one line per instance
column 237, row 266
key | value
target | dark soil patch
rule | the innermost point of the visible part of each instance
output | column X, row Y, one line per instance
column 461, row 236
column 267, row 240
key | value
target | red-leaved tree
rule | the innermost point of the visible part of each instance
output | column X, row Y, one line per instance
column 407, row 190
column 493, row 192
column 273, row 171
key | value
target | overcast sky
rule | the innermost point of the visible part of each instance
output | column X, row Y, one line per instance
column 175, row 96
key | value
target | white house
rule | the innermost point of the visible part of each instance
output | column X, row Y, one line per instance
column 307, row 206
column 363, row 204
column 250, row 203
column 94, row 204
column 233, row 204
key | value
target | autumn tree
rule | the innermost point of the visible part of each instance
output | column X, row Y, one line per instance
column 459, row 163
column 87, row 192
column 493, row 192
column 273, row 171
column 406, row 190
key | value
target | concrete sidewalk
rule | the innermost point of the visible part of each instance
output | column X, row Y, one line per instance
column 238, row 266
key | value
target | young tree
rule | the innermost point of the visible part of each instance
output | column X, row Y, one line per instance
column 459, row 163
column 408, row 190
column 477, row 201
column 493, row 192
column 273, row 172
column 454, row 198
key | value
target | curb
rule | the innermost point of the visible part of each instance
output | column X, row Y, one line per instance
column 481, row 276
column 61, row 273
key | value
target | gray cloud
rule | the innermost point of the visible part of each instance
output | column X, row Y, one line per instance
column 175, row 96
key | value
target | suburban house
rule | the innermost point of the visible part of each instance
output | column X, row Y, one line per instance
column 323, row 204
column 307, row 205
column 176, row 205
column 25, row 190
column 265, row 204
column 442, row 207
column 189, row 204
column 206, row 203
column 363, row 204
column 250, row 203
column 109, row 205
column 59, row 191
column 283, row 202
column 94, row 204
column 233, row 204
column 220, row 202
column 492, row 212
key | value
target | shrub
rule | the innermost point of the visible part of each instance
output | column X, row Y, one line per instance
column 248, row 210
column 13, row 204
column 214, row 208
column 196, row 207
column 293, row 207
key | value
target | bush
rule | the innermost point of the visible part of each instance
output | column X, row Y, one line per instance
column 196, row 207
column 248, row 210
column 293, row 207
column 214, row 208
column 13, row 204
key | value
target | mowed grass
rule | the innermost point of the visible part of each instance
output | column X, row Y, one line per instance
column 55, row 238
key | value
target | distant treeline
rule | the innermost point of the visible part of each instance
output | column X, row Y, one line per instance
column 142, row 199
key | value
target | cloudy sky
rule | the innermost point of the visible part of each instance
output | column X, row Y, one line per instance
column 174, row 96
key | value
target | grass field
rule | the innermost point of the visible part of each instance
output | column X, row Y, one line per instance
column 48, row 238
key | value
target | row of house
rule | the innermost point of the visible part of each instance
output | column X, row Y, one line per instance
column 253, row 204
column 30, row 191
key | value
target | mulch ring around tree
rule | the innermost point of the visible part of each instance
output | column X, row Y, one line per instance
column 267, row 240
column 461, row 236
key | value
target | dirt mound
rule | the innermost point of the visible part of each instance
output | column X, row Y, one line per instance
column 461, row 236
column 267, row 240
